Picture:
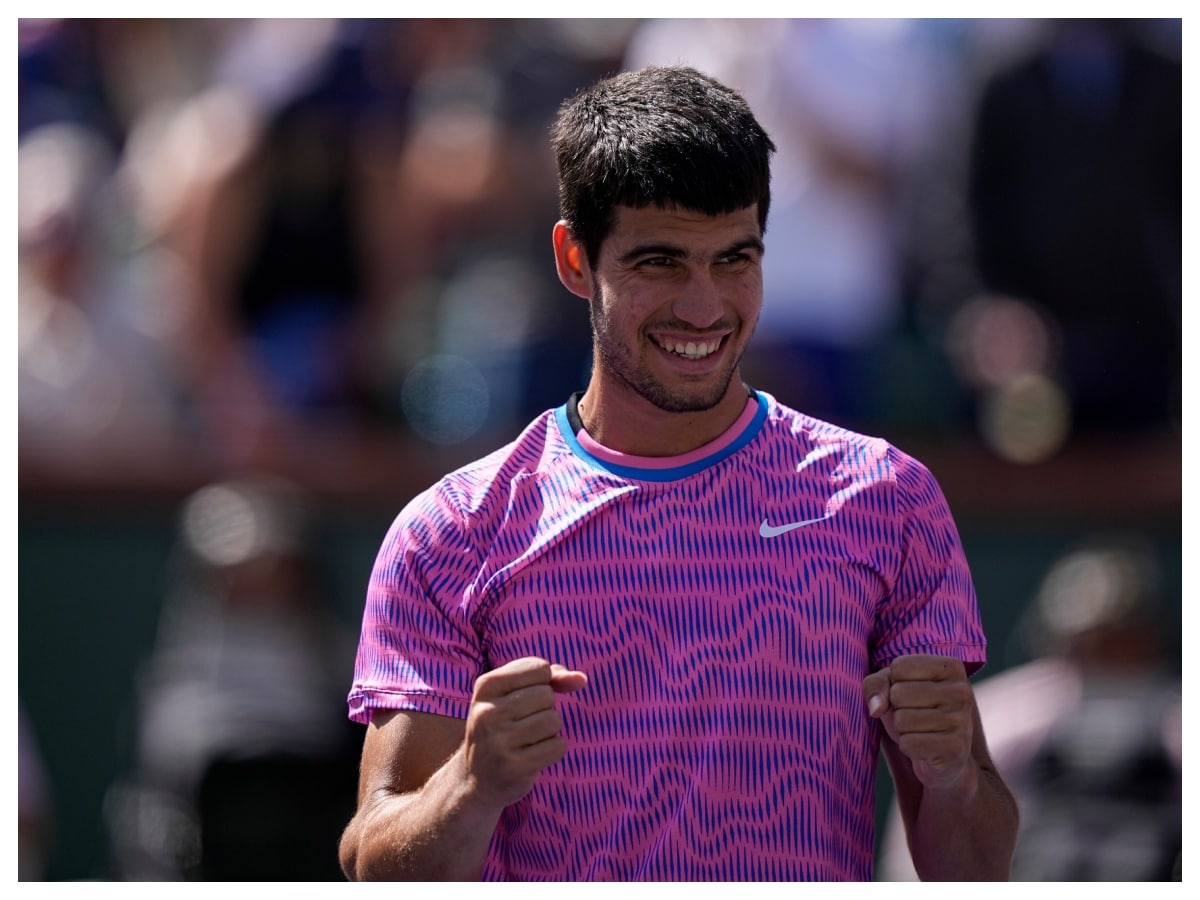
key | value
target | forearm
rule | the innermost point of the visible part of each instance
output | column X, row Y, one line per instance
column 439, row 833
column 966, row 831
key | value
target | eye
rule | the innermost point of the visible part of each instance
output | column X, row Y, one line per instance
column 656, row 262
column 736, row 259
column 742, row 256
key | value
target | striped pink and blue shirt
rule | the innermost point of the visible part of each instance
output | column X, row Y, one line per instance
column 725, row 605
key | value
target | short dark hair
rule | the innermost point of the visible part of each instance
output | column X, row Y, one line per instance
column 658, row 136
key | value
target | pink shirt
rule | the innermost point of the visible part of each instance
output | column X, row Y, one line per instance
column 726, row 606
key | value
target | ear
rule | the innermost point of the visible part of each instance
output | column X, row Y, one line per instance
column 571, row 262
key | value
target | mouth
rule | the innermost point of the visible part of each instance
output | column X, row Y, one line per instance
column 688, row 349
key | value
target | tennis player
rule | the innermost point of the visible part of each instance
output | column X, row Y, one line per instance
column 663, row 634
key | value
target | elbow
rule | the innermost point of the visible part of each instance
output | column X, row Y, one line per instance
column 368, row 857
column 348, row 852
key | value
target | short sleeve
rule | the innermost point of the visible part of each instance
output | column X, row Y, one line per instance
column 417, row 649
column 932, row 607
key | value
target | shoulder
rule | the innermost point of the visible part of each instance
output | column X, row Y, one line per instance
column 818, row 437
column 855, row 460
column 480, row 490
column 786, row 421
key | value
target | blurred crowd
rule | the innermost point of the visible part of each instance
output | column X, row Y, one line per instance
column 243, row 765
column 233, row 233
column 1086, row 725
column 247, row 246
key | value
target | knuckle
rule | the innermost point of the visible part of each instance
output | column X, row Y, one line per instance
column 902, row 720
column 482, row 712
column 485, row 683
column 902, row 694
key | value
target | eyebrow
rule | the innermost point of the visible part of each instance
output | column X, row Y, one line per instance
column 679, row 253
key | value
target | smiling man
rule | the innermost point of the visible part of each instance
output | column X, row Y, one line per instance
column 674, row 298
column 664, row 634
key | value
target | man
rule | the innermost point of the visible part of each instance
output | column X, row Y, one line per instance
column 650, row 639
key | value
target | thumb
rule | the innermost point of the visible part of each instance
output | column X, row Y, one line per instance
column 876, row 691
column 564, row 680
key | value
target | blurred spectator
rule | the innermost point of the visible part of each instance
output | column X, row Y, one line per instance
column 244, row 768
column 853, row 106
column 280, row 238
column 94, row 322
column 1089, row 733
column 251, row 180
column 448, row 211
column 35, row 803
column 345, row 197
column 192, row 251
column 60, row 78
column 478, row 331
column 1076, row 205
column 107, row 364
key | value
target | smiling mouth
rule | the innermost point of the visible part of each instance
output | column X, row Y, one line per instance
column 689, row 349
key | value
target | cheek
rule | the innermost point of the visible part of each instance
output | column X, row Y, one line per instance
column 624, row 305
column 747, row 299
column 605, row 315
column 752, row 306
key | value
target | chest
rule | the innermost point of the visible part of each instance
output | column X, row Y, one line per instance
column 741, row 579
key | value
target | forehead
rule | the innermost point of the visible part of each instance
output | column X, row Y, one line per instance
column 682, row 228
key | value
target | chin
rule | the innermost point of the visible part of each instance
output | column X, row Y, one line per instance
column 687, row 401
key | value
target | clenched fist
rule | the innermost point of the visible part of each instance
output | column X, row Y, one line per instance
column 513, row 729
column 926, row 705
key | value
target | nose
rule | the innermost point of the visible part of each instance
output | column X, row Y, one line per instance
column 700, row 302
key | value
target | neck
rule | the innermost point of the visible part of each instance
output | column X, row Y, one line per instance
column 635, row 426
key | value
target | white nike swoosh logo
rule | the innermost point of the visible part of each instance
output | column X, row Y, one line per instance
column 768, row 530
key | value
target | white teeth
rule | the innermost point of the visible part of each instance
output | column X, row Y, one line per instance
column 692, row 350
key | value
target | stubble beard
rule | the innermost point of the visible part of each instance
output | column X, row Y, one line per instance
column 618, row 362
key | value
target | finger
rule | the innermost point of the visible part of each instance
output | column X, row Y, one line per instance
column 512, row 676
column 926, row 667
column 876, row 691
column 925, row 721
column 523, row 702
column 532, row 730
column 948, row 696
column 564, row 680
column 493, row 735
column 525, row 748
column 544, row 753
column 508, row 770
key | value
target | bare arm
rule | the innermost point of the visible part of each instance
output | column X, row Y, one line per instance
column 431, row 788
column 959, row 816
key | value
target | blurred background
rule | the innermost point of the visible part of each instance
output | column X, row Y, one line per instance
column 276, row 276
